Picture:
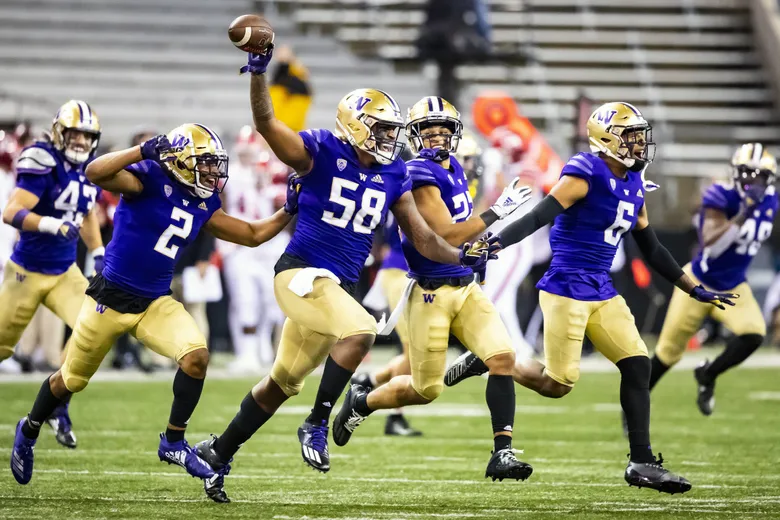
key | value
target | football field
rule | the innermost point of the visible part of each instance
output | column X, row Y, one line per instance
column 575, row 445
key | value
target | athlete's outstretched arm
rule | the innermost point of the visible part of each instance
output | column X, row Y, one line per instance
column 433, row 209
column 250, row 234
column 718, row 232
column 566, row 192
column 108, row 171
column 285, row 142
column 90, row 231
column 660, row 259
column 18, row 214
column 417, row 230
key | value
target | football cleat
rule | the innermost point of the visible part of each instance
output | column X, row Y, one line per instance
column 504, row 464
column 181, row 454
column 654, row 476
column 22, row 456
column 60, row 422
column 348, row 418
column 705, row 398
column 467, row 365
column 397, row 425
column 363, row 379
column 214, row 486
column 314, row 445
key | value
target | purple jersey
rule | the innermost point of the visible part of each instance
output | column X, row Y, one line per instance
column 340, row 205
column 728, row 270
column 395, row 258
column 454, row 190
column 585, row 237
column 151, row 229
column 63, row 192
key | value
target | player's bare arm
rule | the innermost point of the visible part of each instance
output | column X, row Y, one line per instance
column 108, row 171
column 250, row 234
column 718, row 231
column 90, row 232
column 424, row 239
column 433, row 209
column 566, row 192
column 285, row 142
column 22, row 201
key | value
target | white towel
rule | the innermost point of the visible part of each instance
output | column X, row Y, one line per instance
column 303, row 282
column 383, row 328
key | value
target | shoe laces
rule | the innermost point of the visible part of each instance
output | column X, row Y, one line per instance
column 507, row 455
column 354, row 421
column 319, row 437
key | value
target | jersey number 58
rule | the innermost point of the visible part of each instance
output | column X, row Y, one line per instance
column 372, row 204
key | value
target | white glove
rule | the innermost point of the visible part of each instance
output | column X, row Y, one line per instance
column 511, row 198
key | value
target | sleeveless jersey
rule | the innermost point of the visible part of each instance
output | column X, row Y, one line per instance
column 584, row 238
column 454, row 190
column 340, row 205
column 729, row 269
column 64, row 193
column 151, row 229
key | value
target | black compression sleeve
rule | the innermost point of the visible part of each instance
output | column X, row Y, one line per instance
column 542, row 214
column 657, row 256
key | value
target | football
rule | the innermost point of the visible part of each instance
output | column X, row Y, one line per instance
column 251, row 33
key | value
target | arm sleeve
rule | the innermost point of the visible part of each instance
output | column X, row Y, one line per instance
column 657, row 256
column 542, row 214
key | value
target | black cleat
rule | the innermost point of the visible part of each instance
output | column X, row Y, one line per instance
column 314, row 445
column 467, row 365
column 214, row 486
column 60, row 422
column 363, row 379
column 397, row 425
column 705, row 398
column 348, row 418
column 654, row 476
column 503, row 464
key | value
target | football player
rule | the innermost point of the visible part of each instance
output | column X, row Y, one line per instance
column 51, row 207
column 446, row 298
column 734, row 221
column 170, row 190
column 392, row 280
column 598, row 198
column 350, row 179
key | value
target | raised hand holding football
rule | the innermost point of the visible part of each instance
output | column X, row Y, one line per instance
column 251, row 33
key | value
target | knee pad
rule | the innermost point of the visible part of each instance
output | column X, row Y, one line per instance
column 430, row 392
column 74, row 383
column 289, row 385
column 6, row 352
column 636, row 370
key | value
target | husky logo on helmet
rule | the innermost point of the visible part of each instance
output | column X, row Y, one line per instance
column 197, row 159
column 753, row 170
column 370, row 120
column 619, row 131
column 429, row 112
column 75, row 116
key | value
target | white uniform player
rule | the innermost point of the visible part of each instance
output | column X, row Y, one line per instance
column 249, row 272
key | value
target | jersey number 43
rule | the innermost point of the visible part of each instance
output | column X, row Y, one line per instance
column 68, row 201
column 372, row 204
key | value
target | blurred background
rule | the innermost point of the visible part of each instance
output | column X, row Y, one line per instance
column 525, row 75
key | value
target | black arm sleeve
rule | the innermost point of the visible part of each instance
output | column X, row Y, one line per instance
column 657, row 256
column 542, row 214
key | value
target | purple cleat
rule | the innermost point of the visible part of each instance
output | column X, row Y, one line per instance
column 181, row 454
column 22, row 455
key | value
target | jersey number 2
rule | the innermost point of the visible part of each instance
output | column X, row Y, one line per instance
column 173, row 230
column 372, row 205
column 614, row 233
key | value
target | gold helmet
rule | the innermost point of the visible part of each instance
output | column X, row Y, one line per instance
column 370, row 120
column 75, row 115
column 615, row 128
column 753, row 169
column 197, row 159
column 433, row 111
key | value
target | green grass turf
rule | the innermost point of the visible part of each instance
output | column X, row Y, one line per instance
column 574, row 444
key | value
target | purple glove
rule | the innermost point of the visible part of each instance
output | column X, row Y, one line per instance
column 100, row 263
column 151, row 149
column 436, row 155
column 293, row 191
column 258, row 63
column 475, row 256
column 69, row 230
column 703, row 295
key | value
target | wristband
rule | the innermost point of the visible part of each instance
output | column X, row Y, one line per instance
column 18, row 219
column 50, row 225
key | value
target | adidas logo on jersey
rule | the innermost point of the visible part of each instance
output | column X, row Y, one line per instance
column 341, row 164
column 363, row 177
column 203, row 206
column 185, row 202
column 640, row 194
column 626, row 192
column 377, row 179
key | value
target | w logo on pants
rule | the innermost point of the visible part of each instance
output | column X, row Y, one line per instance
column 428, row 298
column 20, row 277
column 100, row 308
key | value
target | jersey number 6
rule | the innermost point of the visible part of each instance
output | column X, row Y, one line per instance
column 614, row 233
column 372, row 204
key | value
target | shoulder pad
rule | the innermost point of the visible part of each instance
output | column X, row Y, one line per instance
column 35, row 159
column 716, row 197
column 582, row 163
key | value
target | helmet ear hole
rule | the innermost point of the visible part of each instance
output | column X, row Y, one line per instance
column 180, row 165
